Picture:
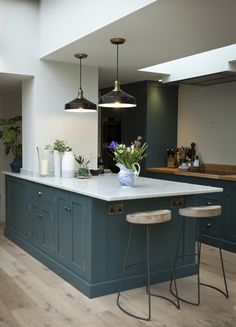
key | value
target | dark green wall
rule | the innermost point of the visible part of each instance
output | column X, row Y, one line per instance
column 155, row 118
column 162, row 115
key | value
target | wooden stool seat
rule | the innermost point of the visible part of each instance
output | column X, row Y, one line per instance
column 149, row 217
column 201, row 212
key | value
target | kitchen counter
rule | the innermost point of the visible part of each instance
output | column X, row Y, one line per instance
column 106, row 187
column 78, row 228
column 208, row 174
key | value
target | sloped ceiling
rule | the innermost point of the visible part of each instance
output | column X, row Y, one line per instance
column 163, row 31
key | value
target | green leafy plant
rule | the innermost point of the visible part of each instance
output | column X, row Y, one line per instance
column 10, row 131
column 81, row 160
column 59, row 145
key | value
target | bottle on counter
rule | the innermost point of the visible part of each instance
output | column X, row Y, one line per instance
column 196, row 162
column 101, row 165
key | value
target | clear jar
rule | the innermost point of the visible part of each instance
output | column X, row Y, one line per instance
column 45, row 158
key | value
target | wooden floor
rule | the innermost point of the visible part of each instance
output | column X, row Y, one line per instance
column 33, row 296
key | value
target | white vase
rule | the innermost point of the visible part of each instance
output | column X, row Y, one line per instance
column 68, row 165
column 127, row 176
column 57, row 156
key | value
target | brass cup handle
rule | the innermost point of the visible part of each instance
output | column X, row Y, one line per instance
column 67, row 209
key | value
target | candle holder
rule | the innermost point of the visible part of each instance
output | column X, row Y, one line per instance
column 45, row 158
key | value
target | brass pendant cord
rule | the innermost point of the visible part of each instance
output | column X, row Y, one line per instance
column 80, row 74
column 117, row 61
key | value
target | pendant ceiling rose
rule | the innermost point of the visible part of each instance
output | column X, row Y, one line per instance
column 81, row 55
column 117, row 40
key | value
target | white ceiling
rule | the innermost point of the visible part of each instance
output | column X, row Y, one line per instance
column 162, row 31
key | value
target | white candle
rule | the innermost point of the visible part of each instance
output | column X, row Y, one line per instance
column 44, row 167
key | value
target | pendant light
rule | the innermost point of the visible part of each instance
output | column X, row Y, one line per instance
column 80, row 104
column 117, row 98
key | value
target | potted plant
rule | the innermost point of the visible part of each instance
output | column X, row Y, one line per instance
column 10, row 131
column 83, row 171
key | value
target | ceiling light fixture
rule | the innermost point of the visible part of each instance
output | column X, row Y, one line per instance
column 80, row 104
column 117, row 98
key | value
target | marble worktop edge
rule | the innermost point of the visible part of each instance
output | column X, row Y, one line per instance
column 106, row 187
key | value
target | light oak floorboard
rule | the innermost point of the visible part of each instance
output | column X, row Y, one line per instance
column 33, row 296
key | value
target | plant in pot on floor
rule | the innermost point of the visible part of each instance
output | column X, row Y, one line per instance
column 10, row 131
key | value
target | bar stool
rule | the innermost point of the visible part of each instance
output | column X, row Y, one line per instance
column 211, row 211
column 147, row 218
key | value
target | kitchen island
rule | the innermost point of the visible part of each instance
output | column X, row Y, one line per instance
column 78, row 228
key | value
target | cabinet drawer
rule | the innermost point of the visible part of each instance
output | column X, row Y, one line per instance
column 42, row 192
column 208, row 200
column 208, row 226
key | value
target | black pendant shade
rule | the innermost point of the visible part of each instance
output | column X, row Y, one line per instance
column 80, row 104
column 117, row 98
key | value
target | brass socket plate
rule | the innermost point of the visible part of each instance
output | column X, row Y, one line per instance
column 81, row 55
column 117, row 40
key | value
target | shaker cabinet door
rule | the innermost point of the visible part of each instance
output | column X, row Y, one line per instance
column 17, row 213
column 47, row 226
column 78, row 229
column 35, row 222
column 61, row 227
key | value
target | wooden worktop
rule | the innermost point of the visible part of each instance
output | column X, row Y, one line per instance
column 217, row 173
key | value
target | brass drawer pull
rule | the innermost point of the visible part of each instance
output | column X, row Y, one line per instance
column 38, row 214
column 67, row 209
column 209, row 203
column 208, row 225
column 40, row 193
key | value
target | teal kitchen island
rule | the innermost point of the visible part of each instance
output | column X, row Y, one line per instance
column 78, row 227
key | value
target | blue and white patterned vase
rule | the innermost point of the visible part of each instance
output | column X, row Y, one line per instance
column 127, row 176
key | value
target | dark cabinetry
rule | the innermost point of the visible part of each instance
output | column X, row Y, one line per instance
column 72, row 231
column 41, row 213
column 227, row 199
column 230, row 212
column 155, row 119
column 18, row 217
column 52, row 223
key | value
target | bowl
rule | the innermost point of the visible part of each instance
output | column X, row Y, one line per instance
column 95, row 172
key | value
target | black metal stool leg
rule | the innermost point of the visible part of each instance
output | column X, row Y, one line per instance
column 172, row 270
column 199, row 248
column 148, row 278
column 199, row 283
column 172, row 275
column 124, row 266
column 181, row 236
column 226, row 293
column 196, row 253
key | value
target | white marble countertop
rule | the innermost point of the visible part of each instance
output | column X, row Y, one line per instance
column 106, row 187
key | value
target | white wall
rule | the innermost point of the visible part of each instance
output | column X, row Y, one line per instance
column 207, row 116
column 44, row 118
column 19, row 36
column 65, row 21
